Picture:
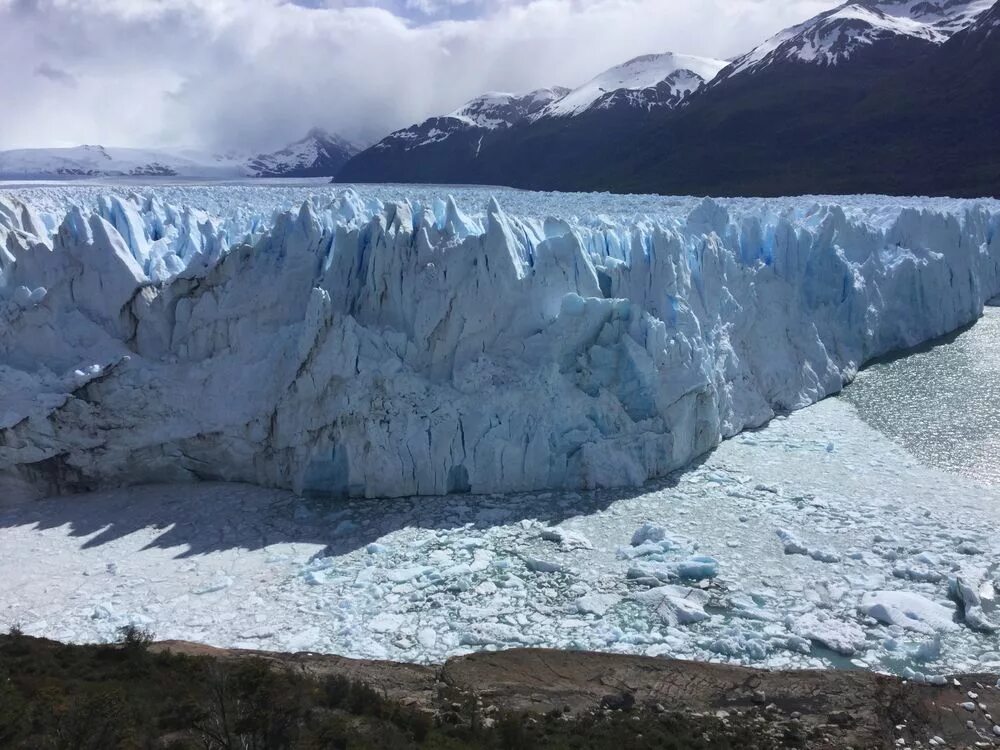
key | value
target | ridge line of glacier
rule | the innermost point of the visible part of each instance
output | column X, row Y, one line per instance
column 362, row 347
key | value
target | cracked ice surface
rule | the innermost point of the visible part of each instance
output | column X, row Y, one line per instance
column 425, row 578
column 396, row 342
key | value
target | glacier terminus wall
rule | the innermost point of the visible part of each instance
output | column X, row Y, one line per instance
column 365, row 346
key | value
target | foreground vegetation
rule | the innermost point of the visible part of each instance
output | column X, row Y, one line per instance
column 127, row 695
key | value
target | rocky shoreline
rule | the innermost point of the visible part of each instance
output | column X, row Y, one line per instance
column 811, row 709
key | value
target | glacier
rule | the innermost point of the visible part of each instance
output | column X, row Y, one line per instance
column 380, row 343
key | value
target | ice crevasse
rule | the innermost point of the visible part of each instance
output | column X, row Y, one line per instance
column 367, row 348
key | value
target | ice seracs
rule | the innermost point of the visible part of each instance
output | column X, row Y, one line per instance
column 420, row 347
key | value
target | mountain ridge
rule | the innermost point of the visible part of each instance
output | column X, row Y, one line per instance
column 897, row 113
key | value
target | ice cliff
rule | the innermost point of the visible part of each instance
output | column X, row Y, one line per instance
column 370, row 348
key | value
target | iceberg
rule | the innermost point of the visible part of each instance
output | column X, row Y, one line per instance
column 362, row 346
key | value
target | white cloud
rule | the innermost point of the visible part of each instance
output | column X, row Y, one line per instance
column 256, row 73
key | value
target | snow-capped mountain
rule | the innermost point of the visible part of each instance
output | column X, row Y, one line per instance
column 487, row 112
column 642, row 83
column 887, row 96
column 501, row 110
column 840, row 34
column 987, row 25
column 446, row 148
column 319, row 154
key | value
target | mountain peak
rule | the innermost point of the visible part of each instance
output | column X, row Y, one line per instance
column 643, row 82
column 318, row 154
column 318, row 134
column 497, row 109
column 839, row 34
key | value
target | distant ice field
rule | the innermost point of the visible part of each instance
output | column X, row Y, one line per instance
column 236, row 200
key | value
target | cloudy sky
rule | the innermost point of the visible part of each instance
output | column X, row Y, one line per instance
column 254, row 74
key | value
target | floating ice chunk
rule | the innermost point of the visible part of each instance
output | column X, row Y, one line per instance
column 544, row 566
column 916, row 573
column 754, row 645
column 648, row 532
column 844, row 637
column 697, row 568
column 655, row 550
column 495, row 634
column 969, row 548
column 750, row 610
column 102, row 612
column 907, row 610
column 676, row 605
column 928, row 650
column 219, row 583
column 481, row 559
column 568, row 540
column 364, row 577
column 315, row 577
column 794, row 547
column 386, row 622
column 26, row 297
column 969, row 600
column 597, row 604
column 402, row 575
column 647, row 576
column 427, row 637
column 22, row 296
column 675, row 611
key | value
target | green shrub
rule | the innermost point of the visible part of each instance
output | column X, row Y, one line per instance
column 135, row 638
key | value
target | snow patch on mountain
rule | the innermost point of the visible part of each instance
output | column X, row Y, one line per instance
column 837, row 35
column 644, row 82
column 987, row 23
column 501, row 110
column 370, row 348
column 487, row 112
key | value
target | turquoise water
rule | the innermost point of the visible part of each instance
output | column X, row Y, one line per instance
column 941, row 404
